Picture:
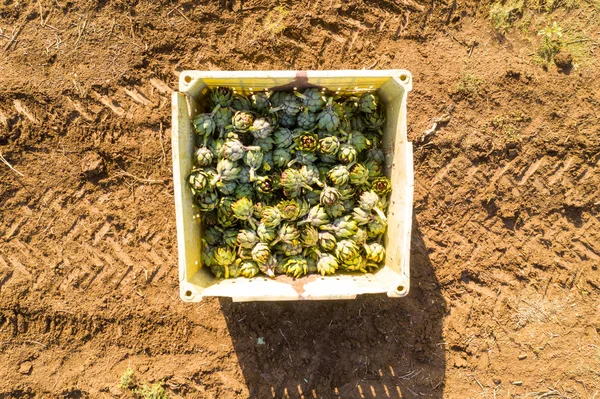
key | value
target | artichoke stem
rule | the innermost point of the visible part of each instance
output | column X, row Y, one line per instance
column 380, row 213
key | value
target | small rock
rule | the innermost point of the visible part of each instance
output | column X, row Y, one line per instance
column 144, row 368
column 512, row 153
column 92, row 164
column 460, row 362
column 517, row 383
column 25, row 368
column 564, row 61
column 260, row 341
column 522, row 356
column 497, row 380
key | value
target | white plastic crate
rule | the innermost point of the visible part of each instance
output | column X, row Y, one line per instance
column 393, row 278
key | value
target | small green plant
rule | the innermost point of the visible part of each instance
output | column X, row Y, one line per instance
column 504, row 15
column 551, row 42
column 274, row 21
column 469, row 85
column 127, row 379
column 129, row 382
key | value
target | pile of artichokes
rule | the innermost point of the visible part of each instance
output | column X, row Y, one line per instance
column 290, row 182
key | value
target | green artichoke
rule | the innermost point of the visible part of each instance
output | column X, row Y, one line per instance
column 375, row 154
column 359, row 175
column 281, row 157
column 342, row 227
column 347, row 154
column 376, row 228
column 283, row 137
column 309, row 236
column 336, row 210
column 242, row 120
column 198, row 181
column 249, row 269
column 203, row 157
column 244, row 190
column 269, row 266
column 271, row 216
column 375, row 168
column 347, row 252
column 307, row 141
column 369, row 202
column 374, row 120
column 295, row 266
column 207, row 201
column 368, row 103
column 330, row 196
column 226, row 170
column 221, row 96
column 291, row 209
column 204, row 125
column 247, row 238
column 329, row 146
column 240, row 103
column 222, row 117
column 261, row 253
column 339, row 175
column 288, row 120
column 262, row 127
column 253, row 159
column 260, row 102
column 328, row 119
column 292, row 182
column 212, row 235
column 306, row 120
column 226, row 187
column 327, row 241
column 290, row 248
column 327, row 264
column 381, row 186
column 312, row 99
column 265, row 144
column 317, row 216
column 266, row 234
column 375, row 252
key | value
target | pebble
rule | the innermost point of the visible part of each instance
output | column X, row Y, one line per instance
column 25, row 368
column 522, row 356
column 517, row 383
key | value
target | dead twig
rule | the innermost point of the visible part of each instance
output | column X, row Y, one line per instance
column 10, row 166
column 443, row 119
column 14, row 35
column 80, row 31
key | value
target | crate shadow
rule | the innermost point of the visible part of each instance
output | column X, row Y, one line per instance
column 371, row 347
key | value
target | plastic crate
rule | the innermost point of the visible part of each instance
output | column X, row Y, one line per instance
column 393, row 278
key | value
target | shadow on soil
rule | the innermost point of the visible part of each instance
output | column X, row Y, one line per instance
column 371, row 347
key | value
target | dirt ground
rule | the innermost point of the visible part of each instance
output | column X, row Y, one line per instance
column 504, row 301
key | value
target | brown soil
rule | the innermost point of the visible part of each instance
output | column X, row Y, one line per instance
column 506, row 247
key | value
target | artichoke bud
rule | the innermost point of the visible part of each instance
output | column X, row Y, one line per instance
column 336, row 210
column 198, row 181
column 203, row 157
column 271, row 216
column 330, row 196
column 362, row 217
column 329, row 145
column 327, row 264
column 269, row 266
column 242, row 120
column 261, row 127
column 290, row 248
column 249, row 269
column 375, row 168
column 226, row 170
column 347, row 252
column 375, row 252
column 295, row 266
column 306, row 120
column 289, row 209
column 312, row 99
column 317, row 216
column 204, row 125
column 208, row 256
column 381, row 186
column 281, row 157
column 266, row 234
column 347, row 154
column 246, row 238
column 368, row 103
column 261, row 253
column 222, row 117
column 221, row 96
column 376, row 228
column 359, row 175
column 338, row 175
column 240, row 103
column 328, row 119
column 207, row 201
column 307, row 141
column 244, row 190
column 283, row 137
column 260, row 102
column 327, row 241
column 263, row 185
column 212, row 235
column 310, row 236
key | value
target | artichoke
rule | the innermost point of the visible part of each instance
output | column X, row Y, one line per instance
column 230, row 237
column 204, row 125
column 242, row 120
column 226, row 187
column 265, row 144
column 247, row 238
column 266, row 234
column 221, row 96
column 327, row 264
column 287, row 233
column 375, row 154
column 306, row 120
column 375, row 168
column 290, row 248
column 376, row 228
column 264, row 185
column 281, row 157
column 359, row 175
column 283, row 137
column 198, row 181
column 375, row 252
column 330, row 196
column 312, row 99
column 244, row 190
column 253, row 159
column 240, row 103
column 336, row 210
column 368, row 103
column 328, row 119
column 225, row 256
column 212, row 235
column 362, row 217
column 207, row 201
column 327, row 241
column 289, row 104
column 358, row 141
column 309, row 236
column 307, row 141
column 304, row 157
column 269, row 266
column 347, row 154
column 295, row 266
column 342, row 227
column 262, row 127
column 203, row 157
column 368, row 201
column 374, row 120
column 381, row 186
column 288, row 120
column 290, row 209
column 261, row 253
column 339, row 175
column 226, row 170
column 249, row 269
column 271, row 216
column 222, row 117
column 347, row 252
column 243, row 209
column 260, row 102
column 208, row 256
column 310, row 175
column 329, row 146
column 293, row 182
column 317, row 216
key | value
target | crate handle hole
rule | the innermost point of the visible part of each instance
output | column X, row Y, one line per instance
column 187, row 78
column 404, row 77
column 400, row 289
column 188, row 294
